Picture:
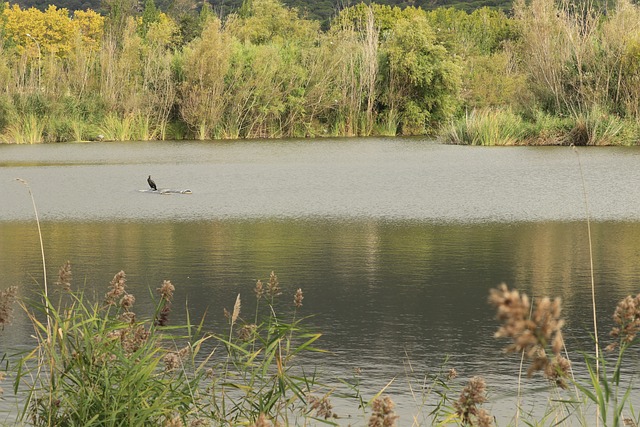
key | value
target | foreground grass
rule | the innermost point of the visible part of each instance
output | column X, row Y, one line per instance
column 99, row 363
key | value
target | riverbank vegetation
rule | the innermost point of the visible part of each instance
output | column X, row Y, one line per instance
column 547, row 73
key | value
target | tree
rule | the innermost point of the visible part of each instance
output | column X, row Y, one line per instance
column 422, row 80
column 205, row 64
column 265, row 21
column 150, row 15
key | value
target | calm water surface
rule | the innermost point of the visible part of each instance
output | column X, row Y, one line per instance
column 395, row 242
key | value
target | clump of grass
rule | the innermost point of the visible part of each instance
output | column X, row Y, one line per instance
column 597, row 127
column 102, row 365
column 116, row 128
column 547, row 129
column 487, row 127
column 25, row 129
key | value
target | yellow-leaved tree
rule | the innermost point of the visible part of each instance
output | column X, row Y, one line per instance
column 90, row 26
column 52, row 31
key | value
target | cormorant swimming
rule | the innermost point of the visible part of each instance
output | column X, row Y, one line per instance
column 151, row 183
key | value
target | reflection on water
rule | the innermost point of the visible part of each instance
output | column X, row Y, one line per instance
column 384, row 294
column 395, row 242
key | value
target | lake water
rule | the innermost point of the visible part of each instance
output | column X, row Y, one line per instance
column 395, row 242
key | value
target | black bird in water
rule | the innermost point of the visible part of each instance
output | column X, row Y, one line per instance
column 151, row 183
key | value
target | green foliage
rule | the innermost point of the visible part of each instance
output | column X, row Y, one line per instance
column 266, row 21
column 489, row 81
column 150, row 15
column 422, row 80
column 355, row 17
column 7, row 112
column 484, row 31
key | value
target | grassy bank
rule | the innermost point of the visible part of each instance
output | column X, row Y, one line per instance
column 505, row 127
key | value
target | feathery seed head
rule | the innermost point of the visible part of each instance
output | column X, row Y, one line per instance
column 127, row 301
column 531, row 334
column 163, row 317
column 166, row 290
column 173, row 422
column 273, row 287
column 452, row 374
column 322, row 406
column 7, row 297
column 236, row 310
column 117, row 288
column 259, row 290
column 484, row 418
column 174, row 359
column 297, row 298
column 472, row 395
column 247, row 331
column 627, row 320
column 383, row 414
column 558, row 371
column 64, row 277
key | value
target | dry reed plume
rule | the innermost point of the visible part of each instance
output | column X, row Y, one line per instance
column 466, row 406
column 64, row 277
column 297, row 298
column 627, row 319
column 321, row 406
column 273, row 287
column 166, row 297
column 236, row 310
column 383, row 414
column 117, row 288
column 262, row 421
column 532, row 332
column 7, row 297
column 174, row 359
column 259, row 290
column 247, row 331
column 166, row 291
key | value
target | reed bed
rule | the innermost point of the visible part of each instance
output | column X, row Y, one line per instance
column 100, row 363
column 491, row 126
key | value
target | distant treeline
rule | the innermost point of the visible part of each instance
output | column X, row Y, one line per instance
column 320, row 10
column 547, row 73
